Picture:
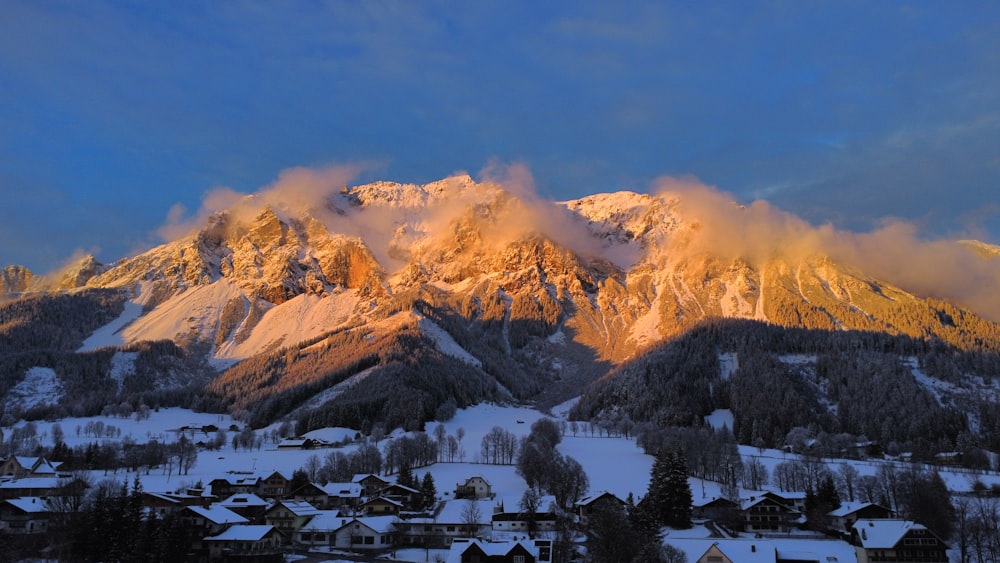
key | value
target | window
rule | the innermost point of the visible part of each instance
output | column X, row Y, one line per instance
column 518, row 559
column 369, row 540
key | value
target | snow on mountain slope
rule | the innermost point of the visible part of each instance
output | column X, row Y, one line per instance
column 301, row 318
column 445, row 343
column 111, row 333
column 40, row 386
column 194, row 312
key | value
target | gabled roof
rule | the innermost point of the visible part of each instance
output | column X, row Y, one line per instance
column 343, row 490
column 491, row 549
column 707, row 501
column 377, row 524
column 383, row 500
column 33, row 505
column 592, row 498
column 848, row 508
column 746, row 504
column 404, row 488
column 218, row 514
column 885, row 533
column 243, row 533
column 358, row 477
column 298, row 507
column 325, row 521
column 243, row 499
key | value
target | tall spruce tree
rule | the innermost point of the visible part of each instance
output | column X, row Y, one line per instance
column 680, row 492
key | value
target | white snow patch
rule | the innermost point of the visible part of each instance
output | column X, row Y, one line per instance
column 797, row 359
column 445, row 343
column 300, row 318
column 935, row 387
column 111, row 333
column 331, row 393
column 195, row 311
column 646, row 329
column 557, row 337
column 720, row 418
column 122, row 366
column 40, row 386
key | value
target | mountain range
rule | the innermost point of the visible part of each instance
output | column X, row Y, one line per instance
column 383, row 302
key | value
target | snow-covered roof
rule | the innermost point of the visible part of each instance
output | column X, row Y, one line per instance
column 849, row 507
column 218, row 514
column 883, row 533
column 587, row 500
column 378, row 524
column 705, row 501
column 31, row 483
column 325, row 521
column 243, row 533
column 490, row 548
column 342, row 490
column 243, row 499
column 30, row 504
column 299, row 507
column 358, row 477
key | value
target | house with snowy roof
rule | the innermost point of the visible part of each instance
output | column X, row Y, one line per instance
column 162, row 504
column 245, row 543
column 512, row 551
column 288, row 516
column 893, row 539
column 210, row 520
column 369, row 533
column 475, row 487
column 370, row 483
column 25, row 515
column 763, row 550
column 233, row 483
column 321, row 529
column 842, row 519
column 381, row 506
column 274, row 485
column 763, row 514
column 508, row 518
column 31, row 487
column 248, row 505
column 587, row 505
column 22, row 466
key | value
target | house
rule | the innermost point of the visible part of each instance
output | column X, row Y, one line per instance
column 474, row 487
column 330, row 495
column 274, row 485
column 369, row 533
column 229, row 485
column 587, row 505
column 720, row 509
column 247, row 505
column 515, row 521
column 764, row 550
column 247, row 544
column 792, row 499
column 298, row 443
column 162, row 504
column 370, row 483
column 894, row 540
column 288, row 516
column 764, row 514
column 842, row 519
column 25, row 515
column 210, row 520
column 321, row 529
column 21, row 466
column 31, row 487
column 381, row 506
column 514, row 551
column 452, row 519
column 408, row 497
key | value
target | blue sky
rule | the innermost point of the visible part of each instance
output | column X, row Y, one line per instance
column 846, row 113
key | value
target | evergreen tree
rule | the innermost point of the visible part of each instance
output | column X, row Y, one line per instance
column 299, row 479
column 658, row 499
column 680, row 493
column 428, row 490
column 405, row 476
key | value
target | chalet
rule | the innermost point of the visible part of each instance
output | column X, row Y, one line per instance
column 247, row 544
column 370, row 484
column 24, row 515
column 366, row 534
column 168, row 503
column 587, row 506
column 408, row 497
column 274, row 485
column 792, row 499
column 20, row 466
column 330, row 495
column 842, row 519
column 321, row 530
column 247, row 505
column 381, row 506
column 519, row 551
column 474, row 487
column 764, row 514
column 224, row 487
column 892, row 540
column 518, row 522
column 288, row 516
column 211, row 520
column 716, row 508
column 31, row 487
column 298, row 443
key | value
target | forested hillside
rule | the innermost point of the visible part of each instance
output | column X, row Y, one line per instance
column 862, row 384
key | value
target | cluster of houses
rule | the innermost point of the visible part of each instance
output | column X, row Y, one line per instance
column 253, row 517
